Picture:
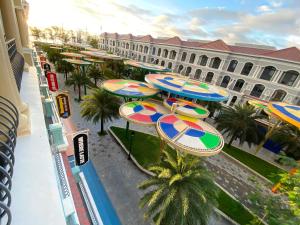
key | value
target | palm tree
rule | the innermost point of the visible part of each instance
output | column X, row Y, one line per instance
column 288, row 136
column 239, row 123
column 36, row 32
column 212, row 107
column 182, row 191
column 77, row 80
column 65, row 67
column 94, row 73
column 100, row 106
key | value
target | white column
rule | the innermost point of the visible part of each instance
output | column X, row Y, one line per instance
column 277, row 76
column 257, row 71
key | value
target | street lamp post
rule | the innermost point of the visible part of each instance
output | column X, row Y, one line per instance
column 130, row 144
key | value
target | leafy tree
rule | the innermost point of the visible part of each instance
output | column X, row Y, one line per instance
column 94, row 73
column 239, row 123
column 77, row 80
column 288, row 136
column 50, row 33
column 181, row 192
column 36, row 33
column 212, row 107
column 94, row 42
column 65, row 67
column 100, row 106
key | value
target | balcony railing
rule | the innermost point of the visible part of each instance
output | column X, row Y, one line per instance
column 8, row 136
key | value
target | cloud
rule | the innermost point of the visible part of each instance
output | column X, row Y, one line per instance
column 215, row 14
column 264, row 8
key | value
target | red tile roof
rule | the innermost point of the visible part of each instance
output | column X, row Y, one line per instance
column 290, row 54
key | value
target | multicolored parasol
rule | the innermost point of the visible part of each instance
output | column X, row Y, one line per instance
column 190, row 135
column 101, row 55
column 286, row 112
column 261, row 105
column 93, row 60
column 187, row 108
column 72, row 55
column 77, row 62
column 129, row 88
column 146, row 66
column 143, row 112
column 187, row 88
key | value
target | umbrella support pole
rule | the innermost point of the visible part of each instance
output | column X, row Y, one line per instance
column 267, row 136
column 127, row 129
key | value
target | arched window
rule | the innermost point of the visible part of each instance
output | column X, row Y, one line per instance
column 232, row 66
column 257, row 90
column 215, row 63
column 159, row 52
column 127, row 46
column 169, row 65
column 198, row 74
column 225, row 81
column 289, row 77
column 152, row 60
column 278, row 95
column 209, row 77
column 139, row 58
column 165, row 53
column 173, row 54
column 162, row 63
column 144, row 58
column 233, row 100
column 141, row 48
column 146, row 49
column 268, row 73
column 192, row 58
column 202, row 60
column 180, row 68
column 247, row 68
column 188, row 71
column 153, row 50
column 156, row 61
column 238, row 85
column 183, row 57
column 133, row 46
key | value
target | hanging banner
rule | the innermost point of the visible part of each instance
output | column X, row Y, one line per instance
column 62, row 101
column 80, row 142
column 47, row 67
column 52, row 81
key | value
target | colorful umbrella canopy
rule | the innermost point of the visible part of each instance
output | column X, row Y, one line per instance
column 129, row 88
column 187, row 88
column 190, row 135
column 187, row 108
column 146, row 66
column 72, row 54
column 101, row 55
column 286, row 112
column 54, row 47
column 143, row 112
column 260, row 105
column 93, row 60
column 77, row 61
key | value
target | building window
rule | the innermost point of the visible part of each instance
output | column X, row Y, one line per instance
column 209, row 77
column 278, row 95
column 198, row 74
column 268, row 73
column 238, row 85
column 225, row 81
column 156, row 61
column 146, row 49
column 144, row 58
column 233, row 100
column 188, row 71
column 232, row 66
column 169, row 65
column 247, row 69
column 215, row 63
column 162, row 63
column 180, row 68
column 165, row 53
column 289, row 77
column 183, row 57
column 127, row 46
column 153, row 50
column 202, row 60
column 173, row 54
column 159, row 52
column 257, row 90
column 192, row 58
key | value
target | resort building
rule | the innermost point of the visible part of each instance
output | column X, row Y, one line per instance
column 244, row 70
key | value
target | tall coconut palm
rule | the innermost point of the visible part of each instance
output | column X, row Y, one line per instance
column 100, row 106
column 288, row 136
column 78, row 80
column 94, row 73
column 181, row 192
column 239, row 123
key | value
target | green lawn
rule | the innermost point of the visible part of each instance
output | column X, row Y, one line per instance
column 146, row 152
column 260, row 166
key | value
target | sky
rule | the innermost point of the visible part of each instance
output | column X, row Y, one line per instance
column 267, row 22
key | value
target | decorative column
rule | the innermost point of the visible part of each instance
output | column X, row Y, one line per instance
column 8, row 87
column 23, row 27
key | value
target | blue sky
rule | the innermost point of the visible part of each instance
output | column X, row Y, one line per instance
column 269, row 22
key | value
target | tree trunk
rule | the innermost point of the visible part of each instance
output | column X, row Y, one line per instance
column 95, row 82
column 79, row 93
column 66, row 76
column 102, row 125
column 231, row 140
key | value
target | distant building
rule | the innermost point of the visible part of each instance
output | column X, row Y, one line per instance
column 245, row 70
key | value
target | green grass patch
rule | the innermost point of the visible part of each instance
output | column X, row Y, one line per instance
column 259, row 165
column 146, row 150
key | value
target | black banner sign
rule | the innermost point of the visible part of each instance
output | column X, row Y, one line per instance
column 47, row 67
column 80, row 142
column 63, row 106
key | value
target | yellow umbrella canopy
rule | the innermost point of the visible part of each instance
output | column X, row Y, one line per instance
column 260, row 105
column 77, row 62
column 93, row 60
column 287, row 112
column 72, row 54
